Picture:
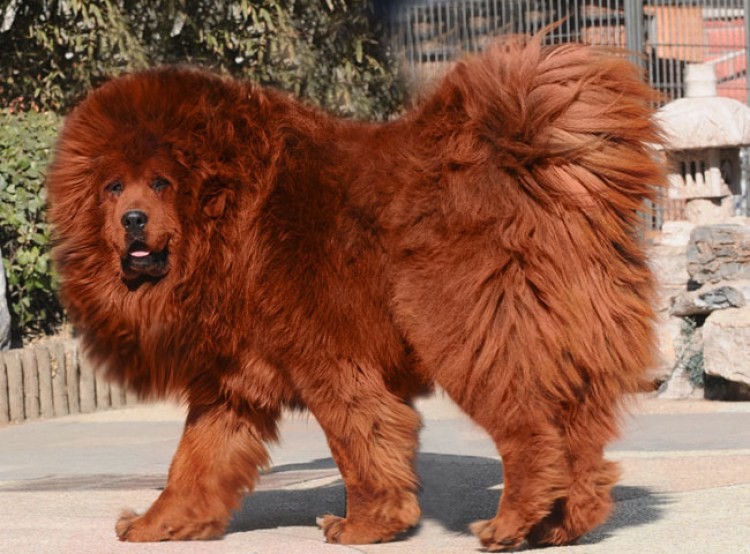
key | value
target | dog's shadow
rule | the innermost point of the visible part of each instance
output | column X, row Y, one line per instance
column 456, row 490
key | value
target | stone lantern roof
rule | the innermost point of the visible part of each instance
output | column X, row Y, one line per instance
column 701, row 119
column 691, row 123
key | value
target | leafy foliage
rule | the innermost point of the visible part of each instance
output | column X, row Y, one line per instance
column 53, row 52
column 25, row 144
column 690, row 352
column 329, row 51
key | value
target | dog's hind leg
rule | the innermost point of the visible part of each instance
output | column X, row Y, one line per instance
column 534, row 476
column 373, row 435
column 216, row 463
column 588, row 501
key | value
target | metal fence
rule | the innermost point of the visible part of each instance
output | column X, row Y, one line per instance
column 663, row 35
column 666, row 35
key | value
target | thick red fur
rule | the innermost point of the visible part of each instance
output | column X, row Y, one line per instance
column 487, row 242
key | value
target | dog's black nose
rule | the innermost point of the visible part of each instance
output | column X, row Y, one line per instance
column 134, row 221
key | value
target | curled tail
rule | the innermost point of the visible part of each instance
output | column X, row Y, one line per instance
column 569, row 123
column 534, row 163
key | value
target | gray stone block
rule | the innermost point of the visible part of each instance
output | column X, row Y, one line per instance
column 719, row 253
column 726, row 344
column 675, row 233
column 706, row 300
column 668, row 264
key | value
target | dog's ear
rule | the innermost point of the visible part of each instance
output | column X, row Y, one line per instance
column 215, row 203
column 216, row 196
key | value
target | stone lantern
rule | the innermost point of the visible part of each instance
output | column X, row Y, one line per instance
column 703, row 135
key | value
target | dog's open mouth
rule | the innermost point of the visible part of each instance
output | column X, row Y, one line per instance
column 140, row 260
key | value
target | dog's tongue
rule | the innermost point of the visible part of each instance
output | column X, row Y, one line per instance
column 140, row 253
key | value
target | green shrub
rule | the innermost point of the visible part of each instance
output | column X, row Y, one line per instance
column 25, row 146
column 690, row 351
column 53, row 52
column 328, row 51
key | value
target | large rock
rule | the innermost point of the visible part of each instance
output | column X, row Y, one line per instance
column 719, row 253
column 726, row 344
column 4, row 312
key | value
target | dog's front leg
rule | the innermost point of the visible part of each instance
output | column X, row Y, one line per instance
column 216, row 463
column 373, row 436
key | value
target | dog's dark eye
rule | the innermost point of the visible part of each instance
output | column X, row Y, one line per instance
column 159, row 184
column 114, row 188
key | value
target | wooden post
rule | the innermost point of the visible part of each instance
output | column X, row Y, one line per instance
column 4, row 407
column 30, row 384
column 14, row 373
column 87, row 389
column 72, row 374
column 59, row 378
column 44, row 368
column 131, row 398
column 117, row 395
column 103, row 400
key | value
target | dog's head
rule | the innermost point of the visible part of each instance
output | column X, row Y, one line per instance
column 140, row 219
column 143, row 167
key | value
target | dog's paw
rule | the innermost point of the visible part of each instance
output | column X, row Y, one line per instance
column 495, row 536
column 339, row 530
column 131, row 527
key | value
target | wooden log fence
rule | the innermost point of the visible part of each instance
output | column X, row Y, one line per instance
column 52, row 380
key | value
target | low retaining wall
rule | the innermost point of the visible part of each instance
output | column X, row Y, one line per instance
column 52, row 380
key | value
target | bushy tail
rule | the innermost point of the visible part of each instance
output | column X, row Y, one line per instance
column 547, row 155
column 569, row 122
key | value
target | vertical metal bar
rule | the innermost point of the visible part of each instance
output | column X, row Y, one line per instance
column 405, row 21
column 519, row 9
column 439, row 47
column 562, row 32
column 585, row 12
column 423, row 19
column 443, row 30
column 461, row 23
column 457, row 31
column 472, row 26
column 634, row 29
column 674, row 74
column 414, row 28
column 450, row 26
column 524, row 13
column 655, row 57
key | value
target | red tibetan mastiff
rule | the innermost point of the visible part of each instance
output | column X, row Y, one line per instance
column 231, row 246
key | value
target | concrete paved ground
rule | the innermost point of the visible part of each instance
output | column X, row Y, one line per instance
column 63, row 482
